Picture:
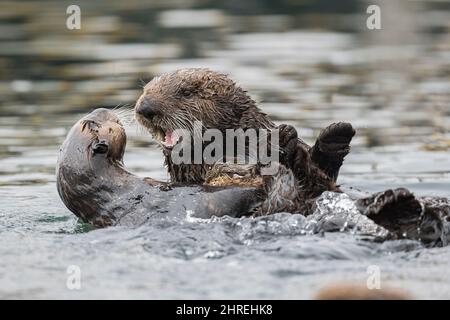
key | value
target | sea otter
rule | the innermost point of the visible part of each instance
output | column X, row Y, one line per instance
column 93, row 183
column 178, row 99
column 95, row 186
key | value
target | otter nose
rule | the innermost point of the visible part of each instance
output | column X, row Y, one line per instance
column 148, row 108
column 101, row 146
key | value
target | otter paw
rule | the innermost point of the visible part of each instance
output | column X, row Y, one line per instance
column 336, row 136
column 287, row 133
column 292, row 152
column 331, row 147
column 396, row 210
column 378, row 202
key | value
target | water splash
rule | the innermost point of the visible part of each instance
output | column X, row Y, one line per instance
column 337, row 212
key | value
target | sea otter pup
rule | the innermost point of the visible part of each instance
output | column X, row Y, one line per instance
column 177, row 100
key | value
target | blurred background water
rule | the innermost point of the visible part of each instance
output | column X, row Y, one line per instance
column 308, row 63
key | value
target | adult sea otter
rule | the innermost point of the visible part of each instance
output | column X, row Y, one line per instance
column 179, row 99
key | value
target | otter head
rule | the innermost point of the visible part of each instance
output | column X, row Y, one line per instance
column 105, row 134
column 176, row 100
column 89, row 160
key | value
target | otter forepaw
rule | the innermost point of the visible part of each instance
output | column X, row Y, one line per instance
column 291, row 150
column 287, row 133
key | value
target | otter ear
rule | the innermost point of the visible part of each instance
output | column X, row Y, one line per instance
column 100, row 146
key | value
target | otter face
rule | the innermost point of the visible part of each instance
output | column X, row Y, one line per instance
column 104, row 134
column 176, row 100
column 93, row 149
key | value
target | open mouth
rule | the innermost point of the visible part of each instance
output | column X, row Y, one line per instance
column 166, row 138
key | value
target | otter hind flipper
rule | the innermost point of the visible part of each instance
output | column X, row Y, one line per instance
column 331, row 147
column 400, row 212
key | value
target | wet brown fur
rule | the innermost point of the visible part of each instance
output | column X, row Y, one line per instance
column 182, row 97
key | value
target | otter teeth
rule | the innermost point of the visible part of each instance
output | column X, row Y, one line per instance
column 171, row 139
column 167, row 139
column 159, row 135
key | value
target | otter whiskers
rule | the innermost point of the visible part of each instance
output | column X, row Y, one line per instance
column 125, row 113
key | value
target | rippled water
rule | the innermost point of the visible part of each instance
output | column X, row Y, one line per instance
column 396, row 93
